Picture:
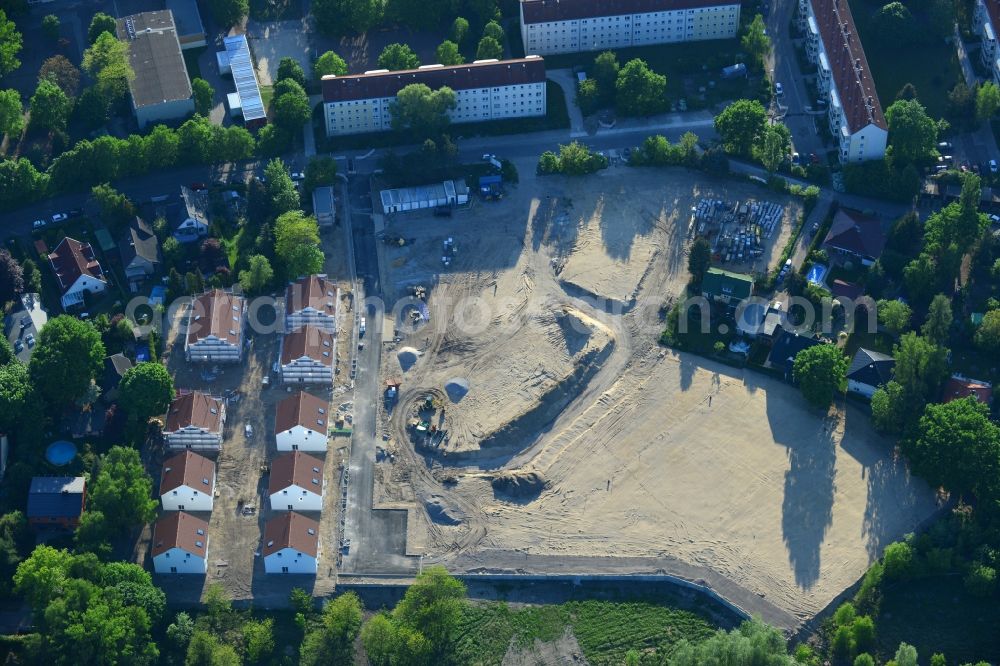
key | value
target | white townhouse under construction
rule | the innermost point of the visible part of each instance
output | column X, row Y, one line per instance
column 484, row 90
column 561, row 26
column 844, row 80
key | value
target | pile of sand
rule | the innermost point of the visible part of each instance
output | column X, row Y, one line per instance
column 407, row 356
column 440, row 514
column 456, row 388
column 522, row 484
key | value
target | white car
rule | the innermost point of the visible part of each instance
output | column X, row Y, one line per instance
column 248, row 430
column 60, row 217
column 993, row 166
column 779, row 90
column 487, row 157
column 298, row 175
column 38, row 224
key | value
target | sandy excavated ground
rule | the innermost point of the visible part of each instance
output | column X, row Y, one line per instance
column 647, row 454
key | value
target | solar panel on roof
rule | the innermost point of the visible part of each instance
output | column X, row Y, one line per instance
column 245, row 78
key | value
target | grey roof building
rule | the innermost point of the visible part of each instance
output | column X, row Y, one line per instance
column 140, row 251
column 160, row 89
column 868, row 371
column 190, row 29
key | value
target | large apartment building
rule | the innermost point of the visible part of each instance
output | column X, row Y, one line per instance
column 844, row 79
column 986, row 23
column 562, row 26
column 484, row 90
column 215, row 328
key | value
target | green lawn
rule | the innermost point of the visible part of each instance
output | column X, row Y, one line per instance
column 933, row 68
column 605, row 630
column 936, row 615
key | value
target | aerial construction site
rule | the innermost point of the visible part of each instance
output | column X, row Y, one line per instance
column 533, row 424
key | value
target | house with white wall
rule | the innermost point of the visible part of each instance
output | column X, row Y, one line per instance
column 307, row 356
column 78, row 272
column 296, row 483
column 484, row 90
column 301, row 423
column 291, row 544
column 195, row 421
column 215, row 328
column 187, row 483
column 869, row 370
column 986, row 23
column 557, row 26
column 180, row 544
column 311, row 300
column 844, row 80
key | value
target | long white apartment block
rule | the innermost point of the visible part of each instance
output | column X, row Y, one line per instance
column 484, row 90
column 844, row 80
column 570, row 26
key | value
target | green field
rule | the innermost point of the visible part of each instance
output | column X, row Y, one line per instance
column 936, row 615
column 605, row 630
column 932, row 68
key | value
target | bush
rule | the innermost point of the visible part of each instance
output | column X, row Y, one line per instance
column 898, row 561
column 981, row 581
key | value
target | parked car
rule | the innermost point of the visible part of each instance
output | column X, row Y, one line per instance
column 796, row 159
column 30, row 339
column 993, row 166
column 59, row 217
column 487, row 157
column 995, row 219
column 945, row 145
column 18, row 346
column 38, row 224
column 298, row 175
column 779, row 90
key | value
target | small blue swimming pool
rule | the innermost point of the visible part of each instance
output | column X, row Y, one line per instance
column 817, row 273
column 60, row 453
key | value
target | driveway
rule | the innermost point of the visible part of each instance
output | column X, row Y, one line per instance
column 566, row 80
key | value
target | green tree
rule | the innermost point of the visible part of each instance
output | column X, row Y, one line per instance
column 15, row 387
column 289, row 68
column 958, row 447
column 290, row 105
column 421, row 111
column 50, row 107
column 100, row 23
column 297, row 244
column 699, row 259
column 740, row 124
column 448, row 54
column 345, row 17
column 889, row 408
column 937, row 326
column 50, row 27
column 864, row 659
column 11, row 277
column 821, row 372
column 605, row 73
column 115, row 208
column 755, row 40
column 988, row 333
column 204, row 649
column 987, row 100
column 489, row 49
column 228, row 13
column 432, row 606
column 20, row 181
column 280, row 188
column 906, row 655
column 921, row 277
column 494, row 30
column 332, row 642
column 204, row 96
column 32, row 277
column 981, row 580
column 257, row 276
column 258, row 638
column 94, row 534
column 548, row 162
column 398, row 56
column 894, row 24
column 61, row 72
column 894, row 315
column 10, row 45
column 321, row 171
column 753, row 643
column 577, row 159
column 107, row 62
column 921, row 367
column 912, row 133
column 378, row 637
column 459, row 30
column 68, row 355
column 146, row 391
column 329, row 64
column 122, row 490
column 639, row 91
column 773, row 146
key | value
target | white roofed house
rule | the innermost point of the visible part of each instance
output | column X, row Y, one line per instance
column 307, row 356
column 180, row 544
column 195, row 421
column 78, row 272
column 301, row 423
column 296, row 483
column 215, row 328
column 187, row 483
column 311, row 300
column 291, row 544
